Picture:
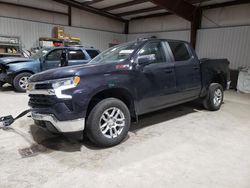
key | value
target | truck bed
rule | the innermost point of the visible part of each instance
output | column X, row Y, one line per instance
column 214, row 69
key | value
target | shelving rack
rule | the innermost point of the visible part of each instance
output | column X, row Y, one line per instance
column 10, row 46
column 57, row 42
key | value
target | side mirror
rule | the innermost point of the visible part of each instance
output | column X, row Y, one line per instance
column 146, row 59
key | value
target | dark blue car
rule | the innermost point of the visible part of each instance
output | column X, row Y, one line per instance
column 102, row 97
column 16, row 71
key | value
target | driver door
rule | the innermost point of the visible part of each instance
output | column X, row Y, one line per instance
column 52, row 59
column 156, row 82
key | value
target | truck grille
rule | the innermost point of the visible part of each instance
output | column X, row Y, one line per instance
column 44, row 86
column 45, row 101
column 42, row 100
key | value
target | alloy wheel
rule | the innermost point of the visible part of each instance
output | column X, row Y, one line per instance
column 23, row 82
column 217, row 97
column 112, row 122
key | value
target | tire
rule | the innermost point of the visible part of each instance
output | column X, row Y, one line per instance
column 214, row 98
column 20, row 81
column 1, row 84
column 101, row 125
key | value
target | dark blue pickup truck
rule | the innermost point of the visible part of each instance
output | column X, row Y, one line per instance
column 16, row 70
column 102, row 97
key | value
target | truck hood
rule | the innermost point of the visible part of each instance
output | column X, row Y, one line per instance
column 10, row 60
column 78, row 70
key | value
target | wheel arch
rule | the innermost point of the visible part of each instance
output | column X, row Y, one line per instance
column 221, row 79
column 119, row 93
column 19, row 72
column 23, row 71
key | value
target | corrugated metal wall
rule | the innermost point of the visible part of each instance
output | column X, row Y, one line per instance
column 80, row 18
column 86, row 19
column 232, row 43
column 31, row 31
column 225, row 42
column 178, row 35
column 221, row 36
column 12, row 11
column 162, row 23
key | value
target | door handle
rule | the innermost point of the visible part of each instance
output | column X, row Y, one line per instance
column 168, row 70
column 196, row 68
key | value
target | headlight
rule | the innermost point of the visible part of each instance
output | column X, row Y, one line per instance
column 64, row 84
column 58, row 86
column 73, row 82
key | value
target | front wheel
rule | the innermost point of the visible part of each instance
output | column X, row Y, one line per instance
column 1, row 84
column 214, row 98
column 108, row 122
column 20, row 81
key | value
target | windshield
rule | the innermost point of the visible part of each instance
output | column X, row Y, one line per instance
column 40, row 53
column 116, row 54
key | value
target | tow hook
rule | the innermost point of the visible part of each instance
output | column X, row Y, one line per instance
column 6, row 121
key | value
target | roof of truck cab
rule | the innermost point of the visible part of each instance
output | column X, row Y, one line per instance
column 73, row 47
column 168, row 40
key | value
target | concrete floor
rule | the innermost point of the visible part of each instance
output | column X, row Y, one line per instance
column 184, row 146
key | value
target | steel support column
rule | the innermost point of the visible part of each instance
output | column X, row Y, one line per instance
column 185, row 10
column 69, row 15
column 195, row 25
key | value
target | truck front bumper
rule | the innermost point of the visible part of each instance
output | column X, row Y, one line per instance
column 61, row 126
column 58, row 108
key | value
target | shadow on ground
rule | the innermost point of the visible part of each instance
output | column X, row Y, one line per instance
column 165, row 115
column 72, row 143
column 6, row 88
column 58, row 142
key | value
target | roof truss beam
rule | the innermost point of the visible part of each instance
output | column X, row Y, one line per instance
column 140, row 11
column 92, row 2
column 90, row 9
column 178, row 7
column 196, row 1
column 122, row 5
column 152, row 15
column 226, row 4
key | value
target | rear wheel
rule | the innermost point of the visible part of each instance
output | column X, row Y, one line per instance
column 20, row 82
column 108, row 123
column 214, row 98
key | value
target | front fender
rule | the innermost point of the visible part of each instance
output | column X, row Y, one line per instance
column 14, row 68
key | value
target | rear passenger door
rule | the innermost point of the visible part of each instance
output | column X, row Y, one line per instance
column 77, row 56
column 187, row 70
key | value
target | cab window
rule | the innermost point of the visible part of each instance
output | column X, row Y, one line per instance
column 156, row 49
column 180, row 51
column 76, row 55
column 92, row 53
column 55, row 55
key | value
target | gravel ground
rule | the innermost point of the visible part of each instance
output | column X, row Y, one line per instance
column 184, row 146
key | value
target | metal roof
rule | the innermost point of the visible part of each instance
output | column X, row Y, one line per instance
column 132, row 9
